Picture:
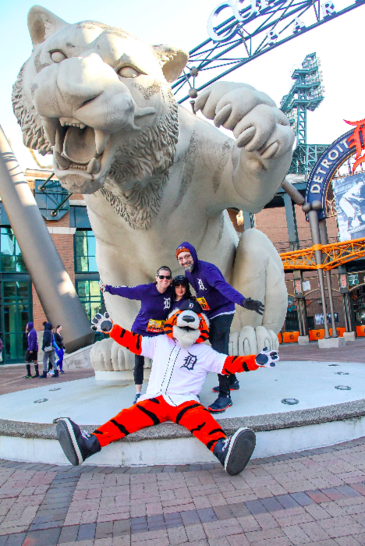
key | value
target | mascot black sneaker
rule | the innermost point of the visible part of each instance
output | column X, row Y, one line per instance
column 77, row 444
column 235, row 452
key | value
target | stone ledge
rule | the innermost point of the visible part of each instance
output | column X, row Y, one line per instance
column 259, row 423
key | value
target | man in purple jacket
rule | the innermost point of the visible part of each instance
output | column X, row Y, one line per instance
column 217, row 299
column 32, row 350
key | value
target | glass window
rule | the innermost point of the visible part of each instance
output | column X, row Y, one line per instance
column 85, row 261
column 4, row 220
column 11, row 260
column 92, row 299
column 50, row 198
column 17, row 309
column 79, row 217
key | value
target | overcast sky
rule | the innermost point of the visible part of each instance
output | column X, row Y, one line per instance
column 338, row 43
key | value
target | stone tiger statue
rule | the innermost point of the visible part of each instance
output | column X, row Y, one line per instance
column 151, row 172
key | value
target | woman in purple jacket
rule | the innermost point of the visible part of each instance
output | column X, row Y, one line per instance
column 32, row 350
column 155, row 300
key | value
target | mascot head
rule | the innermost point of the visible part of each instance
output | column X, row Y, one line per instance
column 188, row 325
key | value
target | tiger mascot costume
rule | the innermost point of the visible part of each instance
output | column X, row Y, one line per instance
column 181, row 362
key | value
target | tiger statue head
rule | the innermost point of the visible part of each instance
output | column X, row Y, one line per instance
column 188, row 325
column 100, row 100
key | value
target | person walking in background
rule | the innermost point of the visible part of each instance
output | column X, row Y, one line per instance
column 60, row 348
column 217, row 299
column 48, row 350
column 155, row 300
column 32, row 350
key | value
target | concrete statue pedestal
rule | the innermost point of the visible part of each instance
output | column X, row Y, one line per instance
column 303, row 340
column 315, row 414
column 349, row 336
column 118, row 376
column 331, row 342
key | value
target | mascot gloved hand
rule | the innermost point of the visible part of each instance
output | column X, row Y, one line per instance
column 267, row 359
column 102, row 323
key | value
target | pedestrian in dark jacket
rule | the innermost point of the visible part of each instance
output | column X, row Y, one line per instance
column 48, row 350
column 217, row 299
column 32, row 350
column 60, row 349
column 155, row 306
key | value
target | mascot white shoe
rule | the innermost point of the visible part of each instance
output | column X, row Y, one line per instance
column 181, row 362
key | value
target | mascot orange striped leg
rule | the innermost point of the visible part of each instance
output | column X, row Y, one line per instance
column 78, row 445
column 147, row 413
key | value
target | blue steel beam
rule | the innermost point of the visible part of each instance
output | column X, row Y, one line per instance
column 276, row 24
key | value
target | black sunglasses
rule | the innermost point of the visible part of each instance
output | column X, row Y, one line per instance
column 168, row 277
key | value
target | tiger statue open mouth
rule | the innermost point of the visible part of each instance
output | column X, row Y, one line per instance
column 91, row 97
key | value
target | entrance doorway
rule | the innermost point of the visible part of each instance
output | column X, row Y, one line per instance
column 15, row 312
column 358, row 300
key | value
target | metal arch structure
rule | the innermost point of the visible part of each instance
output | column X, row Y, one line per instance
column 253, row 30
column 333, row 255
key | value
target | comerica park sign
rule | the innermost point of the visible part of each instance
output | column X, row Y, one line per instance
column 322, row 173
column 241, row 12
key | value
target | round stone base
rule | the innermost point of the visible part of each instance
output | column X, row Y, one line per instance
column 328, row 409
column 118, row 376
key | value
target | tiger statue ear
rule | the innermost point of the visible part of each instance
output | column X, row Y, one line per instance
column 172, row 61
column 42, row 24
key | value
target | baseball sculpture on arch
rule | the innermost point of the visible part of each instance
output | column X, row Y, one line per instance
column 152, row 173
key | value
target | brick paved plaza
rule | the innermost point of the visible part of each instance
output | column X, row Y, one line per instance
column 314, row 497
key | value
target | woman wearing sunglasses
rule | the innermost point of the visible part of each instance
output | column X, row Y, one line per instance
column 155, row 298
column 181, row 291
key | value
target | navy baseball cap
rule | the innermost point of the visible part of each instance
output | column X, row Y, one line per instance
column 191, row 305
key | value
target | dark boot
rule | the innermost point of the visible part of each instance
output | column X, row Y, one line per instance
column 235, row 452
column 55, row 373
column 43, row 376
column 233, row 385
column 221, row 404
column 36, row 371
column 29, row 375
column 77, row 444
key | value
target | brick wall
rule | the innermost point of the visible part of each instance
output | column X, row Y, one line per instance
column 64, row 244
column 272, row 222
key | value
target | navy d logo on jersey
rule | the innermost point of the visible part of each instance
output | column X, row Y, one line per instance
column 189, row 362
column 167, row 303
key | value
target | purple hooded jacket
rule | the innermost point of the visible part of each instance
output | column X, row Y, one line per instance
column 155, row 306
column 219, row 297
column 32, row 338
